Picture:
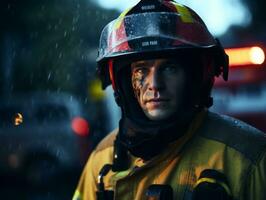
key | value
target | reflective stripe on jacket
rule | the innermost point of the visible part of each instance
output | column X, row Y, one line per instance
column 212, row 142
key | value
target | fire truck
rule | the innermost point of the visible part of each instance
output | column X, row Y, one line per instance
column 244, row 95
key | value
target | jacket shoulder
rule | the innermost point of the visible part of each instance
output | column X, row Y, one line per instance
column 107, row 141
column 236, row 134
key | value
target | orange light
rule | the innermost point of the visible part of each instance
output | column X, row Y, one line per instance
column 80, row 126
column 18, row 119
column 245, row 56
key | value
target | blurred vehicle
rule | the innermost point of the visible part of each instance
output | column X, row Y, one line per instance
column 244, row 95
column 43, row 138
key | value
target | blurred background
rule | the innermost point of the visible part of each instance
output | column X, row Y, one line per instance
column 52, row 109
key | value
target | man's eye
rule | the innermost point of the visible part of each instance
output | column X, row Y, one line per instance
column 170, row 68
column 140, row 71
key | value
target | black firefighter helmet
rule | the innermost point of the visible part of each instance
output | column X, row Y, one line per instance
column 153, row 28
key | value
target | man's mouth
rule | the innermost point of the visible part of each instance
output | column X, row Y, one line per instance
column 155, row 102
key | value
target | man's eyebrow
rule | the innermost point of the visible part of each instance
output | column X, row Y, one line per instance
column 141, row 63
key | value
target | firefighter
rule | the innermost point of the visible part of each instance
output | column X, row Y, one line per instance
column 162, row 61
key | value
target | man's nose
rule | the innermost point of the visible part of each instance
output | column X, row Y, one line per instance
column 155, row 80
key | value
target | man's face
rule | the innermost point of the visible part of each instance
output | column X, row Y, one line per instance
column 158, row 85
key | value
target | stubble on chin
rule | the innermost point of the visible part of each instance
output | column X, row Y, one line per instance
column 156, row 114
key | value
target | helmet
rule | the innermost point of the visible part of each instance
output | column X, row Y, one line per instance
column 156, row 27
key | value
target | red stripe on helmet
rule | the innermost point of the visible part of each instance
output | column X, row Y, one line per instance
column 118, row 35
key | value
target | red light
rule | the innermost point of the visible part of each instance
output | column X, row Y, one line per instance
column 80, row 126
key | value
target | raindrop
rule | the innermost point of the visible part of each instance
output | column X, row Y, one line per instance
column 56, row 45
column 60, row 55
column 73, row 28
column 68, row 77
column 65, row 33
column 75, row 19
column 86, row 100
column 49, row 76
column 58, row 153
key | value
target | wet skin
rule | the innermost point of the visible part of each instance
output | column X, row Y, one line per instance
column 158, row 85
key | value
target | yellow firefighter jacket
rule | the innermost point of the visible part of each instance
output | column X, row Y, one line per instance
column 212, row 142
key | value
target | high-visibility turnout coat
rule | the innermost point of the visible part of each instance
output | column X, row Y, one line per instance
column 212, row 142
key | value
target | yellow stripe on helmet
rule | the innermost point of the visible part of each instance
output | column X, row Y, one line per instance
column 184, row 12
column 120, row 19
